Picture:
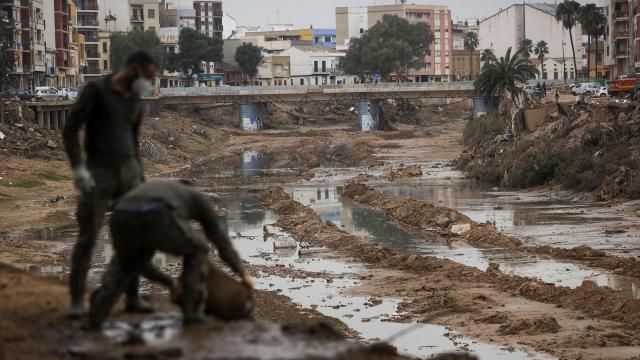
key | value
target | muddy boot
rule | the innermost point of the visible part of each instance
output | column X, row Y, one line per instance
column 135, row 304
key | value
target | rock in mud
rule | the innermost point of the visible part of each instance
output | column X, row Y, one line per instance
column 460, row 229
column 405, row 172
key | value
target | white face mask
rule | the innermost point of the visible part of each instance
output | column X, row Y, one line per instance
column 140, row 85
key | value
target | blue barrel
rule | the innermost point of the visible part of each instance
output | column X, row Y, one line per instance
column 368, row 114
column 251, row 116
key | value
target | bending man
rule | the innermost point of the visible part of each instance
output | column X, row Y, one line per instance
column 155, row 217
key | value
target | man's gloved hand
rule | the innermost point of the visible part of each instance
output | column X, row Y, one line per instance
column 247, row 281
column 83, row 180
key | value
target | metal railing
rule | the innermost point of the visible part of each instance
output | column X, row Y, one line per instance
column 282, row 89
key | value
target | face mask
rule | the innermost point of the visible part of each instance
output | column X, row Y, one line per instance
column 140, row 85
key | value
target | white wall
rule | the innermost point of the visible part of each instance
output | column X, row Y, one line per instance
column 498, row 32
column 542, row 26
column 119, row 9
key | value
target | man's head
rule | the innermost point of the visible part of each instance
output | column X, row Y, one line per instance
column 140, row 69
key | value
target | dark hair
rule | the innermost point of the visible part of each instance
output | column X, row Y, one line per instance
column 141, row 58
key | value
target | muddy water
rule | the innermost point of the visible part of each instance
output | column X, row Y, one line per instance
column 371, row 318
column 360, row 221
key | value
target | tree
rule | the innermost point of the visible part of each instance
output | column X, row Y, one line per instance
column 594, row 24
column 195, row 47
column 488, row 56
column 503, row 77
column 568, row 14
column 7, row 56
column 125, row 44
column 526, row 47
column 392, row 45
column 541, row 50
column 471, row 42
column 249, row 57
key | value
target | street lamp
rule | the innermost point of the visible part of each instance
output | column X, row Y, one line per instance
column 564, row 63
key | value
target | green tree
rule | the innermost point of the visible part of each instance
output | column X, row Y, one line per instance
column 568, row 14
column 526, row 47
column 471, row 43
column 7, row 56
column 125, row 44
column 503, row 77
column 393, row 45
column 249, row 57
column 194, row 48
column 541, row 50
column 594, row 24
column 488, row 56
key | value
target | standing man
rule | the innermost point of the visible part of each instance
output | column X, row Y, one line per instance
column 154, row 217
column 110, row 111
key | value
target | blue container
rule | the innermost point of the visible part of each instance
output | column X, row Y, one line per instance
column 251, row 117
column 368, row 114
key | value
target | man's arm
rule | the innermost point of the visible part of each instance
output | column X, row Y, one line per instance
column 79, row 115
column 211, row 224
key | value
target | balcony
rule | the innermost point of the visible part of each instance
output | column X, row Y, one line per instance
column 137, row 18
column 93, row 55
column 621, row 15
column 88, row 23
column 621, row 34
column 87, row 6
column 622, row 54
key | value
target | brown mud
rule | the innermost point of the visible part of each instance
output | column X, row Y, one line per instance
column 421, row 217
column 443, row 291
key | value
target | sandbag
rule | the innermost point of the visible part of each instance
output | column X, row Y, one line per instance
column 227, row 298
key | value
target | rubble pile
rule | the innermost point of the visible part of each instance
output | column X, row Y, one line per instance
column 592, row 147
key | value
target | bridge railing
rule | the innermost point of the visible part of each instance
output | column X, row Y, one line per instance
column 257, row 90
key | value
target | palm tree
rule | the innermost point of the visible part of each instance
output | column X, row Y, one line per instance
column 587, row 16
column 541, row 49
column 600, row 30
column 488, row 56
column 526, row 47
column 471, row 43
column 503, row 77
column 568, row 13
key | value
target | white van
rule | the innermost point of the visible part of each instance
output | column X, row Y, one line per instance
column 586, row 89
column 48, row 93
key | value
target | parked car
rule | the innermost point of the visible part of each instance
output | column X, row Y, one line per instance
column 586, row 89
column 20, row 94
column 69, row 93
column 48, row 93
column 603, row 91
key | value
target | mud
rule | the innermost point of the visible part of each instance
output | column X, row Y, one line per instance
column 440, row 299
column 403, row 172
column 421, row 217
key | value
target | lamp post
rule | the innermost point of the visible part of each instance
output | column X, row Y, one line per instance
column 564, row 63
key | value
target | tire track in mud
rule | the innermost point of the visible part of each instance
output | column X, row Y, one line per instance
column 450, row 286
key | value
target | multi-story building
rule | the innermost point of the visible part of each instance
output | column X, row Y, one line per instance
column 437, row 63
column 620, row 45
column 88, row 26
column 508, row 27
column 209, row 17
column 324, row 37
column 144, row 15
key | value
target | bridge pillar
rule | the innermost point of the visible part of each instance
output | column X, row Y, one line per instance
column 54, row 120
column 40, row 117
column 368, row 113
column 47, row 119
column 251, row 116
column 62, row 119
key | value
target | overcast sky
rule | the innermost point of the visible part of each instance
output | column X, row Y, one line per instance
column 321, row 13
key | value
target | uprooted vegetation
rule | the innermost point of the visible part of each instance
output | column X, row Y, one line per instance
column 593, row 148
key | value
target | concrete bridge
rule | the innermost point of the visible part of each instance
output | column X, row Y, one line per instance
column 252, row 99
column 260, row 94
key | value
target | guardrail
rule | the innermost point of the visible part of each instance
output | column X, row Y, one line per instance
column 248, row 90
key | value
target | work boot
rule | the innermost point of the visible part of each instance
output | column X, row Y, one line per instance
column 76, row 310
column 138, row 305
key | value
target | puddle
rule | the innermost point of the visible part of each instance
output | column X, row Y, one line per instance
column 374, row 226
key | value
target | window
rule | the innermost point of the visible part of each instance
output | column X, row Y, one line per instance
column 105, row 48
column 327, row 39
column 301, row 81
column 361, row 30
column 317, row 39
column 105, row 65
column 316, row 80
column 315, row 67
column 324, row 66
column 151, row 13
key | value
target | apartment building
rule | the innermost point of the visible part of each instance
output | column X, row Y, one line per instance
column 209, row 17
column 351, row 23
column 508, row 27
column 144, row 15
column 88, row 26
column 620, row 44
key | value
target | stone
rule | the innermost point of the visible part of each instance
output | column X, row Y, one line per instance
column 460, row 229
column 2, row 136
column 442, row 220
column 51, row 144
column 412, row 258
